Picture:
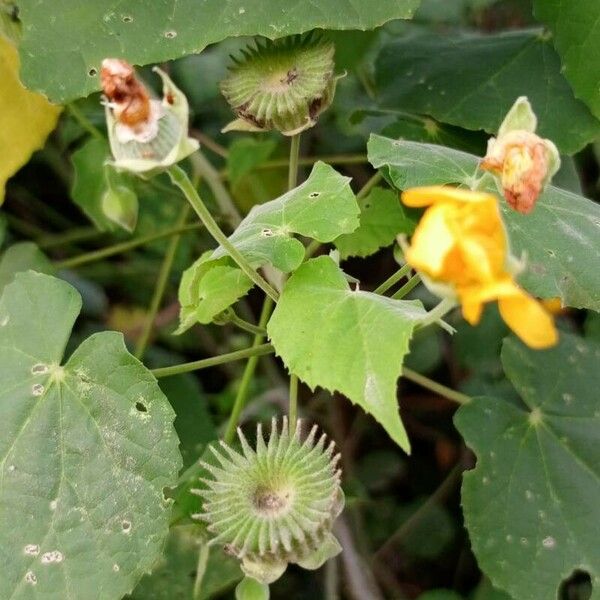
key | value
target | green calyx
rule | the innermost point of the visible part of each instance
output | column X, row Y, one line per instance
column 284, row 84
column 275, row 504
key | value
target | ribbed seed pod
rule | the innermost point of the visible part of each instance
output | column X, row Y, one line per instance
column 146, row 135
column 283, row 84
column 275, row 504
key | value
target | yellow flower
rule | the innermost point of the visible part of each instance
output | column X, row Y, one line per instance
column 460, row 244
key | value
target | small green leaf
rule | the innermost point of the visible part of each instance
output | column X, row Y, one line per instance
column 322, row 208
column 558, row 239
column 208, row 287
column 531, row 504
column 87, row 449
column 382, row 218
column 245, row 154
column 344, row 340
column 62, row 56
column 576, row 34
column 473, row 80
column 22, row 256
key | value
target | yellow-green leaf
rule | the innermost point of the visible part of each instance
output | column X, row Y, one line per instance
column 26, row 118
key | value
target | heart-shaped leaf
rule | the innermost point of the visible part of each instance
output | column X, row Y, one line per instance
column 531, row 504
column 350, row 341
column 473, row 80
column 61, row 56
column 86, row 450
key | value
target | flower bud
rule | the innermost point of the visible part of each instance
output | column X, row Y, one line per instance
column 284, row 84
column 146, row 135
column 523, row 161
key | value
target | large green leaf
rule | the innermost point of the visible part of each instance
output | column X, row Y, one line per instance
column 322, row 208
column 473, row 80
column 350, row 341
column 86, row 450
column 62, row 53
column 576, row 35
column 531, row 504
column 559, row 239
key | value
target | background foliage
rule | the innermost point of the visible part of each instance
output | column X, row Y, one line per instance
column 95, row 454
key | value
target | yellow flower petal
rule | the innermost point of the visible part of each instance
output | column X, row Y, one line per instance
column 528, row 319
column 427, row 195
column 432, row 241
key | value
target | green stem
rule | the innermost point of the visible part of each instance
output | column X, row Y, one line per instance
column 371, row 183
column 71, row 236
column 434, row 386
column 181, row 180
column 240, row 399
column 438, row 495
column 293, row 403
column 392, row 280
column 204, row 169
column 407, row 287
column 435, row 315
column 84, row 122
column 293, row 162
column 292, row 181
column 161, row 285
column 246, row 326
column 122, row 247
column 214, row 361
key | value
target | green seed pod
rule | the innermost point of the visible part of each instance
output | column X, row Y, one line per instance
column 284, row 84
column 276, row 504
column 146, row 135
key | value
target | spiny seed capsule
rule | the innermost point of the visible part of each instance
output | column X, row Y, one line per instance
column 275, row 504
column 284, row 84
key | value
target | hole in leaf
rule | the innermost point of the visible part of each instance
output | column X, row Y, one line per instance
column 170, row 34
column 92, row 72
column 314, row 194
column 141, row 407
column 127, row 19
column 577, row 587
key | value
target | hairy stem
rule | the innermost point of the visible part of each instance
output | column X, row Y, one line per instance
column 204, row 169
column 161, row 286
column 392, row 280
column 443, row 489
column 181, row 180
column 292, row 181
column 213, row 361
column 412, row 283
column 240, row 399
column 122, row 247
column 246, row 326
column 434, row 386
